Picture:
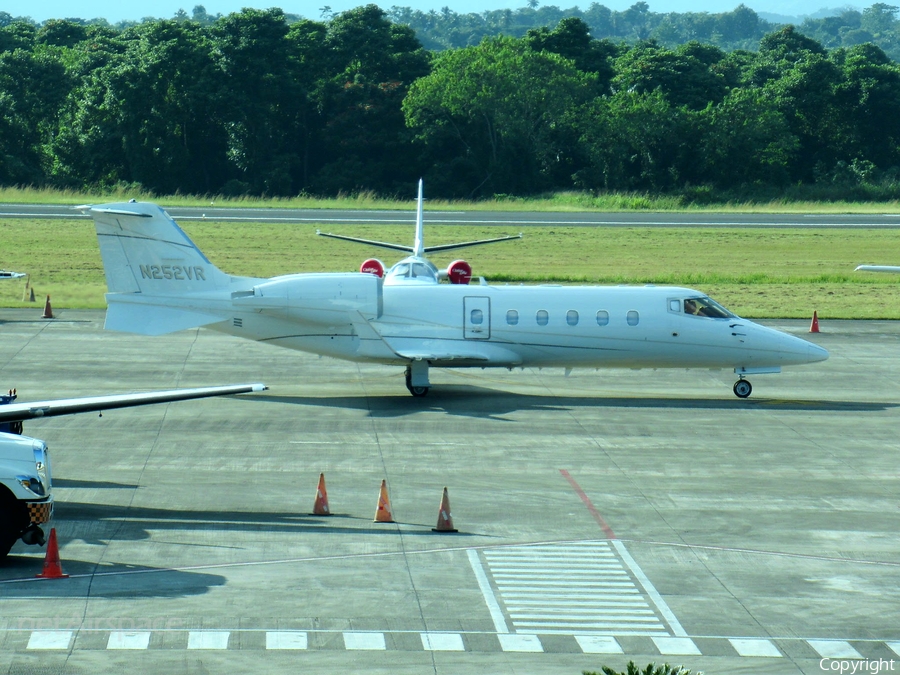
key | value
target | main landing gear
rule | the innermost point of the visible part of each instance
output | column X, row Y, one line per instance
column 742, row 388
column 417, row 378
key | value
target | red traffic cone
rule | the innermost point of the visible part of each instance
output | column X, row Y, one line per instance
column 48, row 311
column 52, row 568
column 321, row 506
column 814, row 326
column 445, row 518
column 383, row 511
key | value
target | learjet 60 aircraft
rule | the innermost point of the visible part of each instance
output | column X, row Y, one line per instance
column 160, row 282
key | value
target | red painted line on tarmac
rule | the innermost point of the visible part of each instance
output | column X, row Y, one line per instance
column 607, row 530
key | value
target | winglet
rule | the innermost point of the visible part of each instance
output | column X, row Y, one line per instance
column 419, row 244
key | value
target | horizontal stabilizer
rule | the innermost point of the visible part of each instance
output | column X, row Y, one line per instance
column 146, row 319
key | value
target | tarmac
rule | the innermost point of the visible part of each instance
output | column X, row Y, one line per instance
column 602, row 517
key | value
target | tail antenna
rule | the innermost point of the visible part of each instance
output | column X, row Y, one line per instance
column 419, row 244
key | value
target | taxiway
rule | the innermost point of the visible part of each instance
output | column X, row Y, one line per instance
column 603, row 517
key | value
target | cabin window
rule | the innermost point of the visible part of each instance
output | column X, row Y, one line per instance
column 512, row 317
column 572, row 317
column 602, row 318
column 476, row 316
column 542, row 317
column 633, row 318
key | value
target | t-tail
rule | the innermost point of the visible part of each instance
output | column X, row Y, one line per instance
column 158, row 280
column 418, row 249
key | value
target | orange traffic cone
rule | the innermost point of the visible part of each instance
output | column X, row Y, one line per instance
column 52, row 568
column 383, row 512
column 814, row 326
column 445, row 518
column 321, row 506
column 48, row 311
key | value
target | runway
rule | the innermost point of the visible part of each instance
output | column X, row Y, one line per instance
column 603, row 517
column 505, row 219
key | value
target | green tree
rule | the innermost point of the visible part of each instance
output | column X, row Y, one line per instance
column 33, row 87
column 868, row 98
column 572, row 39
column 489, row 116
column 260, row 99
column 745, row 140
column 364, row 142
column 680, row 76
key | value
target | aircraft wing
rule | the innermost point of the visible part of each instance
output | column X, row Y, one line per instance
column 435, row 355
column 451, row 354
column 16, row 412
column 5, row 274
column 878, row 268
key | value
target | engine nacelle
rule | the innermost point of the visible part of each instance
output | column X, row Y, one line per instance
column 315, row 298
column 459, row 272
column 373, row 266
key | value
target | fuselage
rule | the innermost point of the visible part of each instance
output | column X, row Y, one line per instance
column 568, row 326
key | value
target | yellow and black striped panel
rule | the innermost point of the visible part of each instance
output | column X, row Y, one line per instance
column 40, row 512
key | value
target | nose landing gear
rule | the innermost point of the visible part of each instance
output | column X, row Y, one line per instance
column 742, row 388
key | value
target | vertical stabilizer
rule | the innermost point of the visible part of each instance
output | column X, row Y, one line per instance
column 144, row 251
column 419, row 244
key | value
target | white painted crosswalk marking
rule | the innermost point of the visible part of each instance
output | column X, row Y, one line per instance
column 442, row 642
column 598, row 644
column 570, row 588
column 208, row 639
column 520, row 643
column 834, row 649
column 754, row 647
column 286, row 639
column 373, row 641
column 128, row 640
column 50, row 639
column 676, row 646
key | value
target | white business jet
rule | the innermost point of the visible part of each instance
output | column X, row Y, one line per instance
column 160, row 282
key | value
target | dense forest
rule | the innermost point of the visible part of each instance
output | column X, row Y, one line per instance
column 259, row 102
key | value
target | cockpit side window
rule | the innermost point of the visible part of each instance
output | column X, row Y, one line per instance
column 703, row 306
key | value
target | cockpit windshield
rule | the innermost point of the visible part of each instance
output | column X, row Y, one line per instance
column 411, row 270
column 703, row 306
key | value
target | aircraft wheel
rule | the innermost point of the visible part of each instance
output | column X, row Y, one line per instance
column 742, row 388
column 418, row 391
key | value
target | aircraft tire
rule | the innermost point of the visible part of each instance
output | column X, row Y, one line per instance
column 418, row 391
column 742, row 388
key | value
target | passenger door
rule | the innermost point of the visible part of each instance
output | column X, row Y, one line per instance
column 476, row 318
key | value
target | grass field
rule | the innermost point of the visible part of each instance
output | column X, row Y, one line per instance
column 559, row 202
column 760, row 273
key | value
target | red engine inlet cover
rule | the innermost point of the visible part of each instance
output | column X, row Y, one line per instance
column 372, row 266
column 459, row 272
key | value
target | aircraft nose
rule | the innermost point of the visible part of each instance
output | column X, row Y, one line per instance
column 796, row 350
column 816, row 353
